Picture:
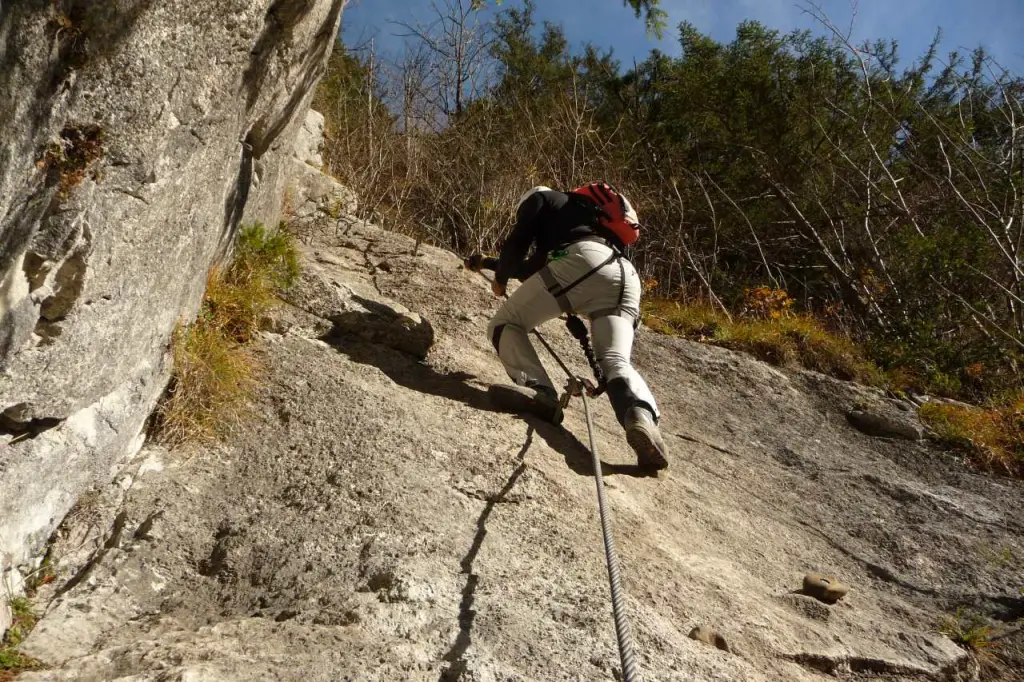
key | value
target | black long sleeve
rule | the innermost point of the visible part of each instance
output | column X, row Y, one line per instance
column 513, row 252
column 547, row 221
column 531, row 266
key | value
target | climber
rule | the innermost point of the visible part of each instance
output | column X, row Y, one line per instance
column 577, row 266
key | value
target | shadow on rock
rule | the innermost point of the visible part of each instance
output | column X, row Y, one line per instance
column 377, row 323
column 406, row 370
column 456, row 654
column 577, row 454
column 395, row 342
column 409, row 372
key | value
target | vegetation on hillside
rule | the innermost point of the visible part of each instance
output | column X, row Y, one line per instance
column 992, row 437
column 766, row 329
column 883, row 196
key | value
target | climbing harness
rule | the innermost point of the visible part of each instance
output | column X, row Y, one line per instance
column 561, row 293
column 584, row 388
column 573, row 323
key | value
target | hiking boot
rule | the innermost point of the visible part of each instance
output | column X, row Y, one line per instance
column 540, row 401
column 644, row 437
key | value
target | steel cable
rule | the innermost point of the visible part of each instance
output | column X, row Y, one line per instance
column 622, row 631
column 623, row 634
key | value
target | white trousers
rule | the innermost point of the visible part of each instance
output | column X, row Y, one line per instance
column 612, row 335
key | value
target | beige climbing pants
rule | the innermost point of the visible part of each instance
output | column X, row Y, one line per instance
column 609, row 297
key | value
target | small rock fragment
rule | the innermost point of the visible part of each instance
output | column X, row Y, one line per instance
column 885, row 426
column 275, row 322
column 378, row 322
column 328, row 259
column 824, row 588
column 709, row 636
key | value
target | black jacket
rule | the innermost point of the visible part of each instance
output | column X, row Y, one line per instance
column 548, row 221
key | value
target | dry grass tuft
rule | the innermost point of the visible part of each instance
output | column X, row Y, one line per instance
column 215, row 373
column 991, row 437
column 783, row 339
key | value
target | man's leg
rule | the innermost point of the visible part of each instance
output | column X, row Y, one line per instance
column 613, row 345
column 611, row 298
column 530, row 306
column 628, row 392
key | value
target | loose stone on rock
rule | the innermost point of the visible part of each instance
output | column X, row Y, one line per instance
column 885, row 425
column 709, row 636
column 824, row 588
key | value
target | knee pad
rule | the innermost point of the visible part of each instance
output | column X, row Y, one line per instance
column 496, row 337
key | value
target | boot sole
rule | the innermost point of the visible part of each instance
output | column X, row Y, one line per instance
column 648, row 455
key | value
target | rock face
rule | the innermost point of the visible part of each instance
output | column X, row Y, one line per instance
column 379, row 521
column 135, row 138
column 886, row 424
column 309, row 139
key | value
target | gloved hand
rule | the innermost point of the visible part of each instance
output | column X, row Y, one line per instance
column 478, row 262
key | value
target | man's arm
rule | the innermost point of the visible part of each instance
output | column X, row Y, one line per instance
column 478, row 262
column 531, row 266
column 513, row 252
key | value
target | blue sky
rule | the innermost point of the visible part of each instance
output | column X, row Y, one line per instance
column 998, row 24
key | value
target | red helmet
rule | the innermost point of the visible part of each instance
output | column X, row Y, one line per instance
column 618, row 214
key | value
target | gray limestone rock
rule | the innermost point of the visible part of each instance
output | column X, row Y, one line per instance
column 135, row 138
column 309, row 140
column 886, row 424
column 312, row 195
column 386, row 325
column 378, row 521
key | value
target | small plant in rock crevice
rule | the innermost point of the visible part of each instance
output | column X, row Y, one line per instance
column 969, row 630
column 12, row 662
column 67, row 160
column 214, row 370
column 43, row 575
